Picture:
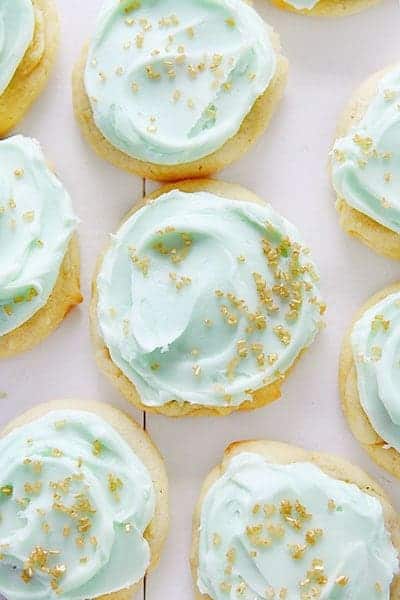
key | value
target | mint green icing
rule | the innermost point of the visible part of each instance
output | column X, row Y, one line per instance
column 201, row 299
column 376, row 349
column 248, row 538
column 36, row 224
column 366, row 162
column 17, row 25
column 169, row 81
column 73, row 488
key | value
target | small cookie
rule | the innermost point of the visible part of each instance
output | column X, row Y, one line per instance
column 172, row 90
column 39, row 256
column 203, row 301
column 325, row 8
column 28, row 45
column 364, row 164
column 275, row 522
column 83, row 495
column 369, row 380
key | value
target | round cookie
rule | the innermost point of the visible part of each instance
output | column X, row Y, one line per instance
column 39, row 255
column 325, row 8
column 364, row 163
column 371, row 415
column 223, row 321
column 282, row 522
column 34, row 67
column 124, row 523
column 211, row 102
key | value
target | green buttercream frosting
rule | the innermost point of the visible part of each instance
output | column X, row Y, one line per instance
column 201, row 299
column 290, row 532
column 169, row 81
column 366, row 163
column 376, row 349
column 36, row 224
column 75, row 501
column 17, row 25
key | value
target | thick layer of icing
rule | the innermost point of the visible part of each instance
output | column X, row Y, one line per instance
column 17, row 25
column 36, row 224
column 170, row 82
column 376, row 349
column 75, row 501
column 203, row 299
column 290, row 532
column 366, row 162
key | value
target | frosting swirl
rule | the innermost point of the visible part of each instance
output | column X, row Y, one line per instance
column 375, row 343
column 289, row 531
column 75, row 501
column 36, row 224
column 170, row 82
column 17, row 25
column 203, row 299
column 366, row 162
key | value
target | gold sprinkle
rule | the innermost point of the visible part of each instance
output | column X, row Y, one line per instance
column 216, row 539
column 331, row 505
column 378, row 587
column 119, row 71
column 97, row 447
column 57, row 453
column 66, row 531
column 196, row 370
column 27, row 574
column 139, row 40
column 6, row 490
column 19, row 172
column 230, row 22
column 297, row 551
column 342, row 580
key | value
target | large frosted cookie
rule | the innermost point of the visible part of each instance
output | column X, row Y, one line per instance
column 203, row 301
column 171, row 90
column 83, row 498
column 369, row 366
column 365, row 163
column 275, row 522
column 29, row 35
column 39, row 257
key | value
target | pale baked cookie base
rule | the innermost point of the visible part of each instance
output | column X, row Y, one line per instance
column 252, row 127
column 25, row 87
column 142, row 445
column 374, row 235
column 279, row 453
column 388, row 458
column 260, row 397
column 330, row 8
column 65, row 295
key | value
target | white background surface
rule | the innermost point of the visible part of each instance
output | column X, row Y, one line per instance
column 328, row 59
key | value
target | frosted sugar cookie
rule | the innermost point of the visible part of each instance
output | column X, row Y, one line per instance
column 172, row 90
column 365, row 164
column 83, row 497
column 276, row 522
column 29, row 35
column 39, row 257
column 368, row 378
column 203, row 301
